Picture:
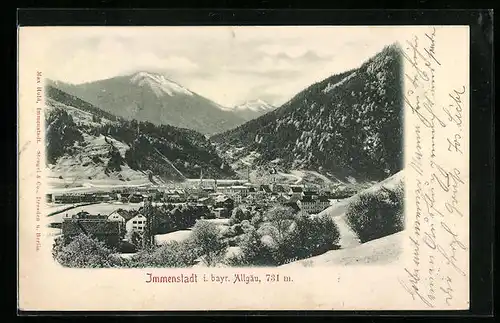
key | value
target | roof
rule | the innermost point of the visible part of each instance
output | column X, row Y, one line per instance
column 266, row 188
column 279, row 188
column 323, row 198
column 222, row 199
column 127, row 215
column 240, row 187
column 307, row 199
column 296, row 189
column 139, row 215
column 90, row 226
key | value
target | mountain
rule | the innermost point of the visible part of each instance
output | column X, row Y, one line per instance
column 253, row 109
column 151, row 97
column 348, row 126
column 85, row 144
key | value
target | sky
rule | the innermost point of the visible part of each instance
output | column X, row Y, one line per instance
column 229, row 65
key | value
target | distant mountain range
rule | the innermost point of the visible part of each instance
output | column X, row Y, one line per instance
column 253, row 109
column 348, row 126
column 85, row 144
column 151, row 97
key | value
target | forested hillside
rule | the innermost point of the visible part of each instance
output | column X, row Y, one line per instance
column 348, row 125
column 85, row 142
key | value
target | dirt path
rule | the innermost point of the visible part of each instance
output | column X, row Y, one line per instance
column 348, row 238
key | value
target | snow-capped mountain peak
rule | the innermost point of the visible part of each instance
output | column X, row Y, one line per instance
column 159, row 84
column 257, row 105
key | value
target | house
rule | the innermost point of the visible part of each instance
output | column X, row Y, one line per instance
column 252, row 191
column 124, row 197
column 221, row 212
column 206, row 200
column 266, row 189
column 137, row 223
column 234, row 189
column 121, row 215
column 116, row 217
column 224, row 202
column 110, row 232
column 280, row 198
column 313, row 205
column 239, row 189
column 292, row 202
column 295, row 190
column 136, row 198
column 68, row 199
column 238, row 199
column 175, row 198
column 278, row 188
column 87, row 215
column 249, row 199
column 310, row 194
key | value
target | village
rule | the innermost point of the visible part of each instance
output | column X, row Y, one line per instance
column 134, row 216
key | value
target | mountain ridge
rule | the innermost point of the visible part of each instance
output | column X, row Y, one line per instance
column 145, row 96
column 86, row 144
column 348, row 125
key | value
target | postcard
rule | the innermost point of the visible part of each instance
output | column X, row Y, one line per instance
column 243, row 168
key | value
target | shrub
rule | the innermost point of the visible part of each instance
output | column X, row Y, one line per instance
column 170, row 254
column 239, row 215
column 377, row 214
column 85, row 252
column 254, row 251
column 208, row 243
column 134, row 238
column 314, row 235
column 281, row 218
column 256, row 219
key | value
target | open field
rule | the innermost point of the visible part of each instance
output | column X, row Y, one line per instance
column 376, row 252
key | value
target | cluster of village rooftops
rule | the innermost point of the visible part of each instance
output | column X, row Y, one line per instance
column 213, row 202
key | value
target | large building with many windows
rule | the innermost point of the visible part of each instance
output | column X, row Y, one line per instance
column 313, row 205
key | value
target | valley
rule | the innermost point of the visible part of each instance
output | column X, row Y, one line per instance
column 157, row 163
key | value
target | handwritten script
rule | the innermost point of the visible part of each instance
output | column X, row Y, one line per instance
column 436, row 183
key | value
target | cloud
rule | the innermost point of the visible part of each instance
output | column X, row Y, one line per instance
column 228, row 64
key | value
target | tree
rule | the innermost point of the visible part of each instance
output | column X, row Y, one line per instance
column 373, row 215
column 61, row 134
column 85, row 252
column 239, row 214
column 206, row 239
column 281, row 218
column 134, row 238
column 254, row 252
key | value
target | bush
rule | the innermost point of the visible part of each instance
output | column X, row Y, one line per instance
column 208, row 243
column 256, row 219
column 281, row 218
column 254, row 251
column 239, row 215
column 170, row 254
column 85, row 252
column 313, row 235
column 285, row 238
column 375, row 215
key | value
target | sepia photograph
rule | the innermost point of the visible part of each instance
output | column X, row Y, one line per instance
column 244, row 167
column 297, row 161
